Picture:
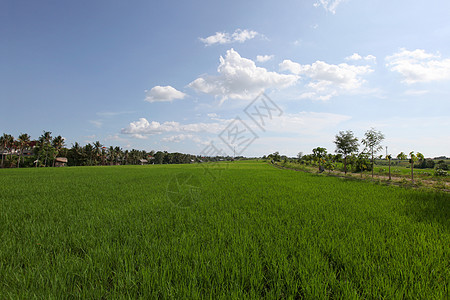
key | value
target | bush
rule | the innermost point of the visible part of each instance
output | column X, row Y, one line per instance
column 442, row 166
column 440, row 172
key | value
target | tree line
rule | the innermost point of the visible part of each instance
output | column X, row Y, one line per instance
column 351, row 156
column 43, row 152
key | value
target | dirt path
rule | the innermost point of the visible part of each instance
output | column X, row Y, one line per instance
column 398, row 181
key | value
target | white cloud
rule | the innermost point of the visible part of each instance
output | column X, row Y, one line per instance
column 96, row 123
column 356, row 57
column 263, row 58
column 143, row 127
column 371, row 57
column 163, row 94
column 416, row 92
column 328, row 80
column 177, row 138
column 328, row 5
column 139, row 136
column 108, row 114
column 226, row 38
column 419, row 66
column 240, row 78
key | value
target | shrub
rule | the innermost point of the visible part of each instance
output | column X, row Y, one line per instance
column 442, row 166
column 440, row 172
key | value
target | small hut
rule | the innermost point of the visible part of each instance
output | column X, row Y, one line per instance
column 60, row 161
column 143, row 161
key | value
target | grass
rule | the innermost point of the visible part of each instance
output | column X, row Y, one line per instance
column 246, row 230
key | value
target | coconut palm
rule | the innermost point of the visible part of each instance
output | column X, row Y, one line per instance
column 76, row 153
column 119, row 154
column 3, row 144
column 6, row 143
column 45, row 145
column 24, row 141
column 97, row 150
column 58, row 144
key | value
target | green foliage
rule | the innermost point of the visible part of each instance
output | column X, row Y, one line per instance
column 442, row 165
column 346, row 144
column 440, row 173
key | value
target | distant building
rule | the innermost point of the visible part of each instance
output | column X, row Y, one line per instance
column 60, row 161
column 143, row 161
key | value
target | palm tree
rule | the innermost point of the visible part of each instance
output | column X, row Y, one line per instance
column 6, row 143
column 89, row 152
column 45, row 146
column 97, row 150
column 24, row 140
column 57, row 143
column 3, row 145
column 119, row 154
column 112, row 155
column 76, row 153
column 104, row 155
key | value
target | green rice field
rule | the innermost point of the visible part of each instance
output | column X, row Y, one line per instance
column 241, row 230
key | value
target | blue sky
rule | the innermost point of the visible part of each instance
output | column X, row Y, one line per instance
column 173, row 75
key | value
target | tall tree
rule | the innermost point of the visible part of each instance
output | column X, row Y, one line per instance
column 412, row 160
column 346, row 144
column 45, row 145
column 58, row 144
column 319, row 154
column 7, row 143
column 112, row 155
column 4, row 141
column 372, row 141
column 97, row 150
column 119, row 154
column 24, row 141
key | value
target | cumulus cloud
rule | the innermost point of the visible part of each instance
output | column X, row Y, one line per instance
column 144, row 127
column 226, row 38
column 327, row 80
column 240, row 78
column 328, row 5
column 263, row 58
column 184, row 137
column 356, row 57
column 163, row 94
column 419, row 66
column 177, row 138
